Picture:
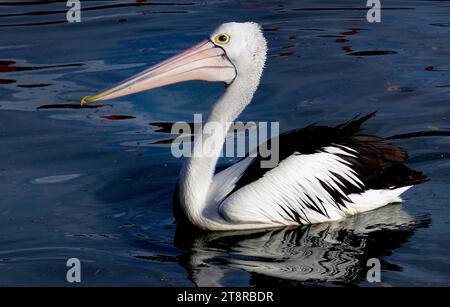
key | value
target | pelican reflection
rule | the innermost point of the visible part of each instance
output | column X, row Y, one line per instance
column 329, row 252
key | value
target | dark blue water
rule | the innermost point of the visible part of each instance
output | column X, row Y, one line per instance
column 91, row 183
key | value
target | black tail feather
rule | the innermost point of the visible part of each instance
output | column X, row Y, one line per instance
column 354, row 125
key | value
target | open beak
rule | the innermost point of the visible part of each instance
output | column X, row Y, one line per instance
column 204, row 61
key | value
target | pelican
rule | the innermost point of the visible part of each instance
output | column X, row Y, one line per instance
column 324, row 173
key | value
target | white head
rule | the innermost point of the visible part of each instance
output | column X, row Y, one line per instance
column 234, row 50
column 244, row 45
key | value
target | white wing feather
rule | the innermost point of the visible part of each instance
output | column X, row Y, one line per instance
column 294, row 192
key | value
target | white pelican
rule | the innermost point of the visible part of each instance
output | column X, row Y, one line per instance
column 324, row 174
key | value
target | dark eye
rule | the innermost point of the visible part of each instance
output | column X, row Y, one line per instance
column 222, row 38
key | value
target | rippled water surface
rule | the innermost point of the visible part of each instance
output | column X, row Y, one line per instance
column 96, row 183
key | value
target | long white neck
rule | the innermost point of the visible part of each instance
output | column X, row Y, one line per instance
column 198, row 171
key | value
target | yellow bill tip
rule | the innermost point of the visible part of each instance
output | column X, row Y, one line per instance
column 87, row 99
column 100, row 96
column 83, row 101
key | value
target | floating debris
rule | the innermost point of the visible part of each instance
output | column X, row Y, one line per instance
column 118, row 117
column 70, row 106
column 372, row 52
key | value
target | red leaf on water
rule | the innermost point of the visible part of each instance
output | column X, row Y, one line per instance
column 347, row 48
column 351, row 32
column 5, row 66
column 6, row 81
column 289, row 53
column 117, row 117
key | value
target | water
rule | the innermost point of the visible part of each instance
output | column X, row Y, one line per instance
column 97, row 183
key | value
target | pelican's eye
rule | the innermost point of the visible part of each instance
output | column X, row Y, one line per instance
column 222, row 38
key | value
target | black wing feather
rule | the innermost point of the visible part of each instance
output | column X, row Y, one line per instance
column 377, row 163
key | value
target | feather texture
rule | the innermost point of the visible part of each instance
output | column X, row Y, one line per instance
column 324, row 174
